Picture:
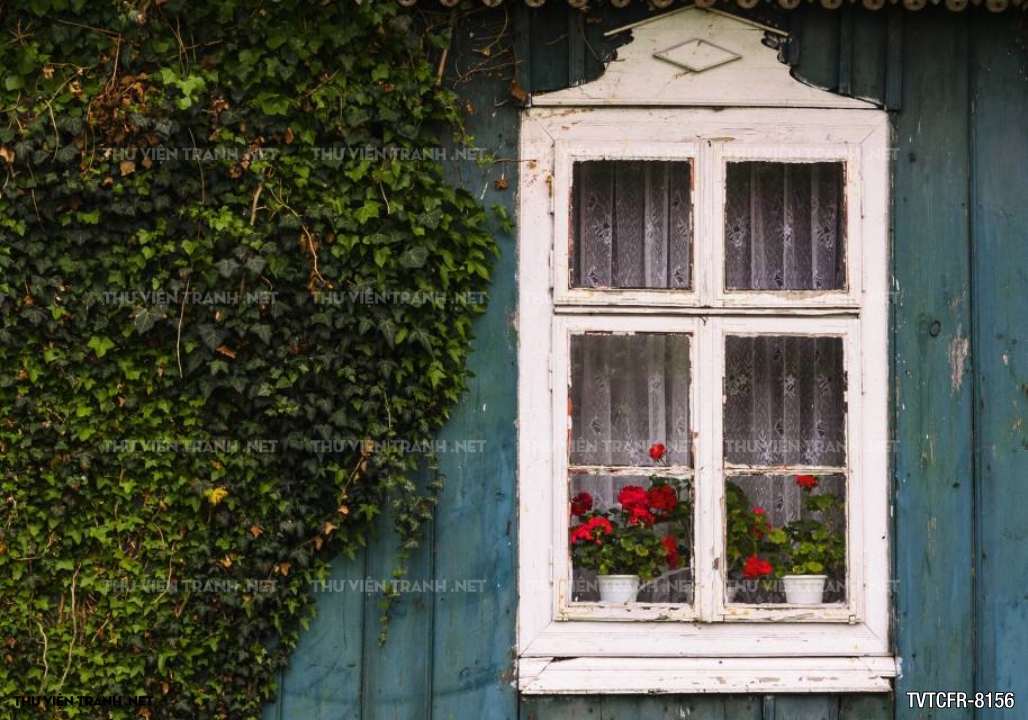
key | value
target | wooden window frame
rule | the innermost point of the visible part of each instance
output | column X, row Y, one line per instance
column 708, row 646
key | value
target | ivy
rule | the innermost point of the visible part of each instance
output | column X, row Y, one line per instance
column 213, row 374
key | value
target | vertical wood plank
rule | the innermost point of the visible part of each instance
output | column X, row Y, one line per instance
column 560, row 707
column 932, row 405
column 1000, row 356
column 894, row 60
column 522, row 46
column 475, row 526
column 818, row 61
column 576, row 46
column 397, row 677
column 870, row 36
column 663, row 707
column 474, row 529
column 324, row 674
column 846, row 39
column 865, row 707
column 743, row 707
column 807, row 707
column 549, row 47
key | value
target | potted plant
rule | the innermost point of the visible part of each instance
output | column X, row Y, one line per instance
column 746, row 540
column 807, row 550
column 634, row 541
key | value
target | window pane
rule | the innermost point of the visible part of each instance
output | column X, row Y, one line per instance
column 627, row 393
column 664, row 532
column 779, row 525
column 632, row 224
column 784, row 401
column 785, row 226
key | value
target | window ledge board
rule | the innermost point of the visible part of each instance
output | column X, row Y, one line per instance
column 666, row 676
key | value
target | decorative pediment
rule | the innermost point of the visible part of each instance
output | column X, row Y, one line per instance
column 697, row 57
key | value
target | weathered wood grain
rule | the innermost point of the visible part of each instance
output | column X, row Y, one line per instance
column 932, row 398
column 1000, row 357
column 324, row 679
column 397, row 678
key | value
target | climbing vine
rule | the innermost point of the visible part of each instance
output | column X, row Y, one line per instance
column 236, row 300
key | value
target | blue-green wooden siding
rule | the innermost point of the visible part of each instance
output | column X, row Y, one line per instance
column 958, row 86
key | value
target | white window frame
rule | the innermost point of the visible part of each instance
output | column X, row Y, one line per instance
column 706, row 647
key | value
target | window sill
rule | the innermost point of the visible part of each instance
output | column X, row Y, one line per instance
column 666, row 676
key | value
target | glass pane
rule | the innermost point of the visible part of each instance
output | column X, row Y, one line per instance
column 782, row 525
column 631, row 224
column 658, row 530
column 627, row 393
column 784, row 401
column 785, row 226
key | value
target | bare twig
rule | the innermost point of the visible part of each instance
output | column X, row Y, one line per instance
column 74, row 633
column 46, row 665
column 178, row 329
column 253, row 203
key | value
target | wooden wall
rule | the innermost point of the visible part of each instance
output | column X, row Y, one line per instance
column 958, row 85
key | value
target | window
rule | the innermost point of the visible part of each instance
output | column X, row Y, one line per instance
column 702, row 265
column 723, row 295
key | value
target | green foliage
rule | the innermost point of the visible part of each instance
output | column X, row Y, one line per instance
column 193, row 390
column 815, row 543
column 746, row 529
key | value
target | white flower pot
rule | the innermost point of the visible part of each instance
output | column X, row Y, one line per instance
column 804, row 589
column 618, row 588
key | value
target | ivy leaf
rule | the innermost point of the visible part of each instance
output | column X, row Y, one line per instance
column 145, row 318
column 212, row 337
column 100, row 345
column 255, row 264
column 413, row 258
column 263, row 332
column 226, row 267
column 388, row 328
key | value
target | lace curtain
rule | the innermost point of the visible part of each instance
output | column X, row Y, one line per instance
column 632, row 224
column 784, row 226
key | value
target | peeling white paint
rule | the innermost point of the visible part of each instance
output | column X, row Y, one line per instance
column 958, row 348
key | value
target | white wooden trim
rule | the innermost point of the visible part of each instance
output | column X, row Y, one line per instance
column 593, row 676
column 752, row 78
column 854, row 190
column 567, row 153
column 809, row 638
column 848, row 330
column 564, row 326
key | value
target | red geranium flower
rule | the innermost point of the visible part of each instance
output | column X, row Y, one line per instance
column 758, row 510
column 755, row 567
column 663, row 498
column 633, row 496
column 657, row 451
column 585, row 532
column 640, row 516
column 808, row 482
column 581, row 503
column 671, row 547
